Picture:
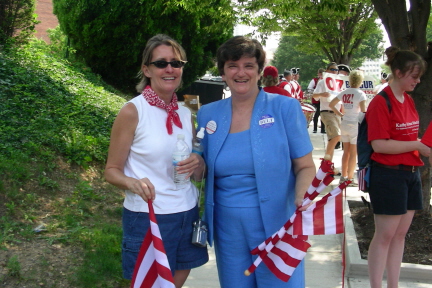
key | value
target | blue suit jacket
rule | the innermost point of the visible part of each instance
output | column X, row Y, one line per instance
column 278, row 135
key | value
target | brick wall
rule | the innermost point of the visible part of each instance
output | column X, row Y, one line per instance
column 44, row 10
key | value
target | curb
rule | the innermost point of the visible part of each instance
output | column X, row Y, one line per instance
column 355, row 266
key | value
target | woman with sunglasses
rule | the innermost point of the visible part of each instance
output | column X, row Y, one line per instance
column 259, row 159
column 143, row 138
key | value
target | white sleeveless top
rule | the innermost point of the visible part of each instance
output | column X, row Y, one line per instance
column 151, row 156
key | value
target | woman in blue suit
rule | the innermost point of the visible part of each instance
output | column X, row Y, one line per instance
column 259, row 165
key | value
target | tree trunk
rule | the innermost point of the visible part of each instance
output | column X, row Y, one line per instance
column 423, row 101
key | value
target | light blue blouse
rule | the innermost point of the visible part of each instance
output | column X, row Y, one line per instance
column 235, row 183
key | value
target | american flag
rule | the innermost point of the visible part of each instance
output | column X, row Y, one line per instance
column 284, row 250
column 152, row 269
column 323, row 217
column 361, row 179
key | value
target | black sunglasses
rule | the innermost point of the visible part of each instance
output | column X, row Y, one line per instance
column 331, row 69
column 164, row 64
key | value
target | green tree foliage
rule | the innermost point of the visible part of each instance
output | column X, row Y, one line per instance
column 288, row 56
column 372, row 47
column 429, row 29
column 17, row 21
column 110, row 35
column 337, row 28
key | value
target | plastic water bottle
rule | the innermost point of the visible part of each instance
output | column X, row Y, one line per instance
column 197, row 146
column 181, row 152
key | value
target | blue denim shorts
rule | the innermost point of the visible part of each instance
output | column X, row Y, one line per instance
column 176, row 231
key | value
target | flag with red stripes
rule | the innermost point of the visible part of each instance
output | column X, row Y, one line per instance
column 361, row 179
column 323, row 217
column 286, row 255
column 152, row 269
column 285, row 249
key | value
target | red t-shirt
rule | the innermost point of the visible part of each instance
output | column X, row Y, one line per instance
column 401, row 124
column 276, row 90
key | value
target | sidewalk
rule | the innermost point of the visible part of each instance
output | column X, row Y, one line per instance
column 323, row 259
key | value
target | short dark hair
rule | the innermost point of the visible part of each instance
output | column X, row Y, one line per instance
column 237, row 47
column 287, row 72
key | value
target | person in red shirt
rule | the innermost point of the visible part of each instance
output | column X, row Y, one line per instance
column 296, row 85
column 394, row 185
column 286, row 84
column 270, row 80
column 427, row 140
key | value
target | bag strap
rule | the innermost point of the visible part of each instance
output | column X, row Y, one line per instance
column 386, row 97
column 389, row 106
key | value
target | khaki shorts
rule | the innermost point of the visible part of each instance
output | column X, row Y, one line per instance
column 332, row 124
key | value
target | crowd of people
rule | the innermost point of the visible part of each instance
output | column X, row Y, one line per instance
column 250, row 193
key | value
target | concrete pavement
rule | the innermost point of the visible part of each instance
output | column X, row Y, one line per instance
column 324, row 258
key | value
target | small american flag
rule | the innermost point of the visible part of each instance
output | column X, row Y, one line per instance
column 323, row 217
column 284, row 250
column 152, row 269
column 361, row 179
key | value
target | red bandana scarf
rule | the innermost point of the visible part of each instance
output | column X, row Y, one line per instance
column 154, row 100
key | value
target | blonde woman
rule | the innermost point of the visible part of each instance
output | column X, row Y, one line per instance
column 354, row 101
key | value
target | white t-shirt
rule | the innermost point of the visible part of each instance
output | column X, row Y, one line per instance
column 325, row 101
column 351, row 99
column 151, row 156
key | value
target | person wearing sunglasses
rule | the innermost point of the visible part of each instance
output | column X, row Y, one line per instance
column 259, row 165
column 328, row 117
column 143, row 138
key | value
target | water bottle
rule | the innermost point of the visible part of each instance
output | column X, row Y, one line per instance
column 181, row 152
column 197, row 146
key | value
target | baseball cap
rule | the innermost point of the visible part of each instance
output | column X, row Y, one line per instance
column 343, row 67
column 271, row 71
